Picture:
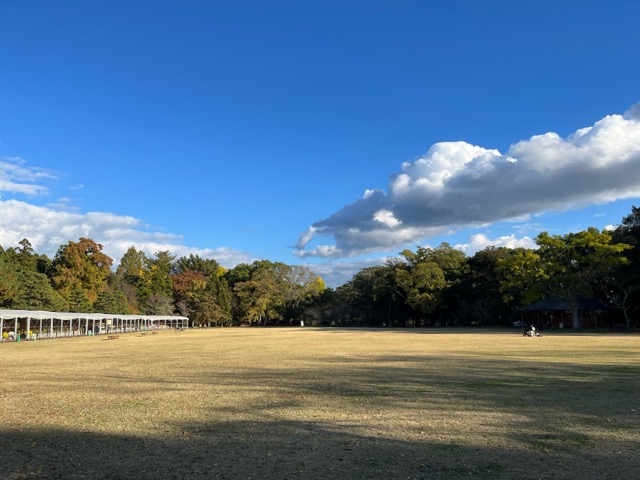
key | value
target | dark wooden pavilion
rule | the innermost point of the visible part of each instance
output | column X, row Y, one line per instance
column 557, row 313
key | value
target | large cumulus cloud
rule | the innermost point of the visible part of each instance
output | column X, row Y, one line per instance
column 456, row 185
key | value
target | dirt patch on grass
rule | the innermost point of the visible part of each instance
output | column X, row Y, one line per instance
column 322, row 403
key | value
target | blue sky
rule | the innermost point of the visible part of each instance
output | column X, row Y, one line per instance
column 328, row 134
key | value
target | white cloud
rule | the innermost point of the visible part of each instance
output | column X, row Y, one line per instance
column 456, row 185
column 62, row 203
column 47, row 229
column 386, row 218
column 336, row 273
column 16, row 177
column 480, row 241
column 325, row 251
column 305, row 237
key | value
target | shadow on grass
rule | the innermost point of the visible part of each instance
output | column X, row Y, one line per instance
column 283, row 450
column 561, row 421
column 344, row 416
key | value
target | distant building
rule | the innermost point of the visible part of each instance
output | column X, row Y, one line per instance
column 556, row 313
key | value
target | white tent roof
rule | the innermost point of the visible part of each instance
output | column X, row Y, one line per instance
column 41, row 315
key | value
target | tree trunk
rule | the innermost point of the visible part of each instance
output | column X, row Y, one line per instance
column 626, row 317
column 577, row 323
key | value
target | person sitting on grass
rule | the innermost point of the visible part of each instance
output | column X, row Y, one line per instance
column 531, row 332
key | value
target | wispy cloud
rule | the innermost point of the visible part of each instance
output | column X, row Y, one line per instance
column 17, row 177
column 456, row 185
column 49, row 228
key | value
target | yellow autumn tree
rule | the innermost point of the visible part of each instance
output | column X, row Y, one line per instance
column 80, row 267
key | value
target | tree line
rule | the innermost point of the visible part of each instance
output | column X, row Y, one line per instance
column 80, row 279
column 422, row 287
column 442, row 286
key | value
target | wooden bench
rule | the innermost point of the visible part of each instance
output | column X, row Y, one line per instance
column 113, row 337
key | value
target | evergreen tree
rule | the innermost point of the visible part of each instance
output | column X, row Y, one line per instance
column 158, row 275
column 78, row 300
column 110, row 301
column 23, row 286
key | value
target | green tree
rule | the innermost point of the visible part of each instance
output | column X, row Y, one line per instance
column 240, row 273
column 111, row 301
column 522, row 277
column 254, row 305
column 206, row 312
column 208, row 267
column 623, row 285
column 573, row 262
column 23, row 285
column 158, row 275
column 78, row 300
column 9, row 282
column 296, row 286
column 222, row 295
column 213, row 307
column 481, row 297
column 451, row 261
column 324, row 309
column 375, row 295
column 129, row 279
column 132, row 266
column 564, row 266
column 421, row 281
column 455, row 269
column 355, row 305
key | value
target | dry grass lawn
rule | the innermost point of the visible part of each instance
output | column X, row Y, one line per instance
column 306, row 403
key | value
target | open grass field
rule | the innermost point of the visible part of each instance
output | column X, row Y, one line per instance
column 298, row 403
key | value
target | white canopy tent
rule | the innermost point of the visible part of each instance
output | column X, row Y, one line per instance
column 43, row 324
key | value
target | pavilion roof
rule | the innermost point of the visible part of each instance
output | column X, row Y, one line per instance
column 552, row 304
